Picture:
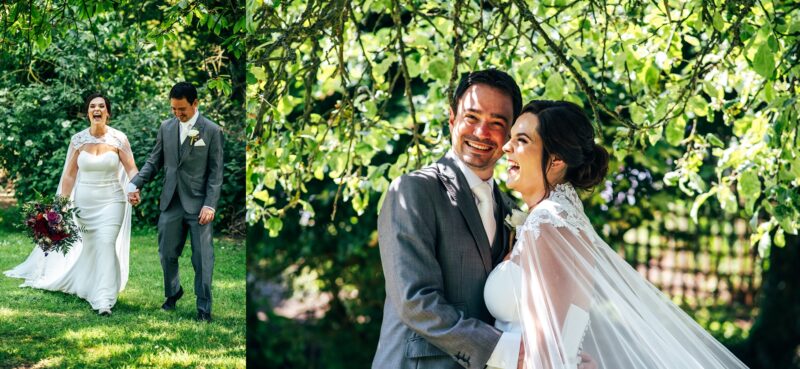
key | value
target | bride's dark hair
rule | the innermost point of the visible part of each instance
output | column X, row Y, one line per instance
column 94, row 96
column 566, row 132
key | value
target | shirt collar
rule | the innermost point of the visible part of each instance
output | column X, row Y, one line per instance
column 191, row 120
column 472, row 178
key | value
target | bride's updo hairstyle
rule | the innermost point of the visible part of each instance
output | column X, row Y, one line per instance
column 567, row 133
column 92, row 97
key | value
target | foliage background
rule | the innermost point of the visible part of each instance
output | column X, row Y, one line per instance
column 345, row 96
column 54, row 53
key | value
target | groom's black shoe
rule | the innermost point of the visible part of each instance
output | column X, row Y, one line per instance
column 202, row 316
column 170, row 303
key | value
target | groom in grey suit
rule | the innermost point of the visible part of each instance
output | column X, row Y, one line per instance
column 441, row 233
column 189, row 148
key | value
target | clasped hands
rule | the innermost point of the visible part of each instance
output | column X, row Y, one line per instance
column 205, row 217
column 134, row 198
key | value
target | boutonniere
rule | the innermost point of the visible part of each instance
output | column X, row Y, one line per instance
column 193, row 136
column 514, row 221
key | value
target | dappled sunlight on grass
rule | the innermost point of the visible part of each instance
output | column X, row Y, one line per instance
column 106, row 351
column 86, row 334
column 52, row 329
column 50, row 362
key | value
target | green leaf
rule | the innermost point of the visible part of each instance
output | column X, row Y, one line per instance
column 714, row 140
column 764, row 243
column 439, row 69
column 719, row 23
column 637, row 113
column 653, row 136
column 769, row 92
column 698, row 202
column 262, row 195
column 749, row 189
column 413, row 67
column 697, row 105
column 554, row 87
column 764, row 61
column 675, row 131
column 726, row 199
column 780, row 238
column 274, row 225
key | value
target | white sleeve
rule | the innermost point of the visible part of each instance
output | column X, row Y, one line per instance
column 130, row 187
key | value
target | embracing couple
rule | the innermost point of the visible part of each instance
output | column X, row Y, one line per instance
column 464, row 290
column 101, row 177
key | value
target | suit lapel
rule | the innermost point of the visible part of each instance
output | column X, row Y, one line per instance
column 503, row 210
column 458, row 191
column 172, row 138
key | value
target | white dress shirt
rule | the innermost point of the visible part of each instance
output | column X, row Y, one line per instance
column 506, row 352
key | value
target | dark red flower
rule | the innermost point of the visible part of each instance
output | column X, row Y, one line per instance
column 58, row 236
column 41, row 226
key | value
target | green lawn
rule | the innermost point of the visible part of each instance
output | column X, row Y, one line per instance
column 43, row 329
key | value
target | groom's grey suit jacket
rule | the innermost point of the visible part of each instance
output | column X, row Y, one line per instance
column 436, row 258
column 192, row 172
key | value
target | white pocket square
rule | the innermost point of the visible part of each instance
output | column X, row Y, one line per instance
column 200, row 142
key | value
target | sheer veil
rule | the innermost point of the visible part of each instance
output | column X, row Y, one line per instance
column 40, row 270
column 578, row 295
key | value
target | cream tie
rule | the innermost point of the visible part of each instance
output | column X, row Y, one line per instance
column 483, row 192
column 185, row 128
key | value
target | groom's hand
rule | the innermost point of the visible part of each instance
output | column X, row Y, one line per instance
column 206, row 216
column 521, row 358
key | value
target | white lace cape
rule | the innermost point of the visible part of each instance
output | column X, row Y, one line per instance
column 578, row 295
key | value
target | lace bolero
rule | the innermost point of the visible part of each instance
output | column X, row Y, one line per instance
column 113, row 137
column 563, row 208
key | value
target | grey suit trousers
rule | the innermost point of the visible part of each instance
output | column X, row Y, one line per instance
column 173, row 226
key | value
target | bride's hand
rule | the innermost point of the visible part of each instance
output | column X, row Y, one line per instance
column 134, row 198
column 587, row 362
column 521, row 358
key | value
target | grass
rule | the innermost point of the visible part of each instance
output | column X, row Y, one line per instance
column 44, row 329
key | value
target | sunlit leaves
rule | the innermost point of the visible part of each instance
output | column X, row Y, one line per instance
column 675, row 131
column 708, row 81
column 764, row 61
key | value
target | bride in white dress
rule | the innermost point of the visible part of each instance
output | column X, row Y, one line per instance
column 563, row 288
column 98, row 165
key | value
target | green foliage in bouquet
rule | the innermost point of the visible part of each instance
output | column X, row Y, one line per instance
column 50, row 223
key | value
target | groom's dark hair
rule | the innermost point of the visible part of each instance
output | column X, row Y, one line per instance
column 490, row 77
column 183, row 90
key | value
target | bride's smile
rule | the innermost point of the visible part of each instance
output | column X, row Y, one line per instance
column 98, row 111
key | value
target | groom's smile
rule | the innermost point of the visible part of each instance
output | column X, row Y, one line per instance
column 480, row 127
column 479, row 146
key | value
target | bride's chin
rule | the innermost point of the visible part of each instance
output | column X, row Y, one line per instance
column 511, row 183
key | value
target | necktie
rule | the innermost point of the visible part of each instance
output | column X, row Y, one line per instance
column 483, row 192
column 184, row 131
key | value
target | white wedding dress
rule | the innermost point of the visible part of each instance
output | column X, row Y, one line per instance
column 96, row 268
column 566, row 291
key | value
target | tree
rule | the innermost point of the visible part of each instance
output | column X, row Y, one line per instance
column 346, row 95
column 56, row 52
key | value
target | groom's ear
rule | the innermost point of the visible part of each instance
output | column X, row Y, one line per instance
column 452, row 118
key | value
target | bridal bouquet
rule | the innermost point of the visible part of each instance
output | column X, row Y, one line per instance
column 50, row 223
